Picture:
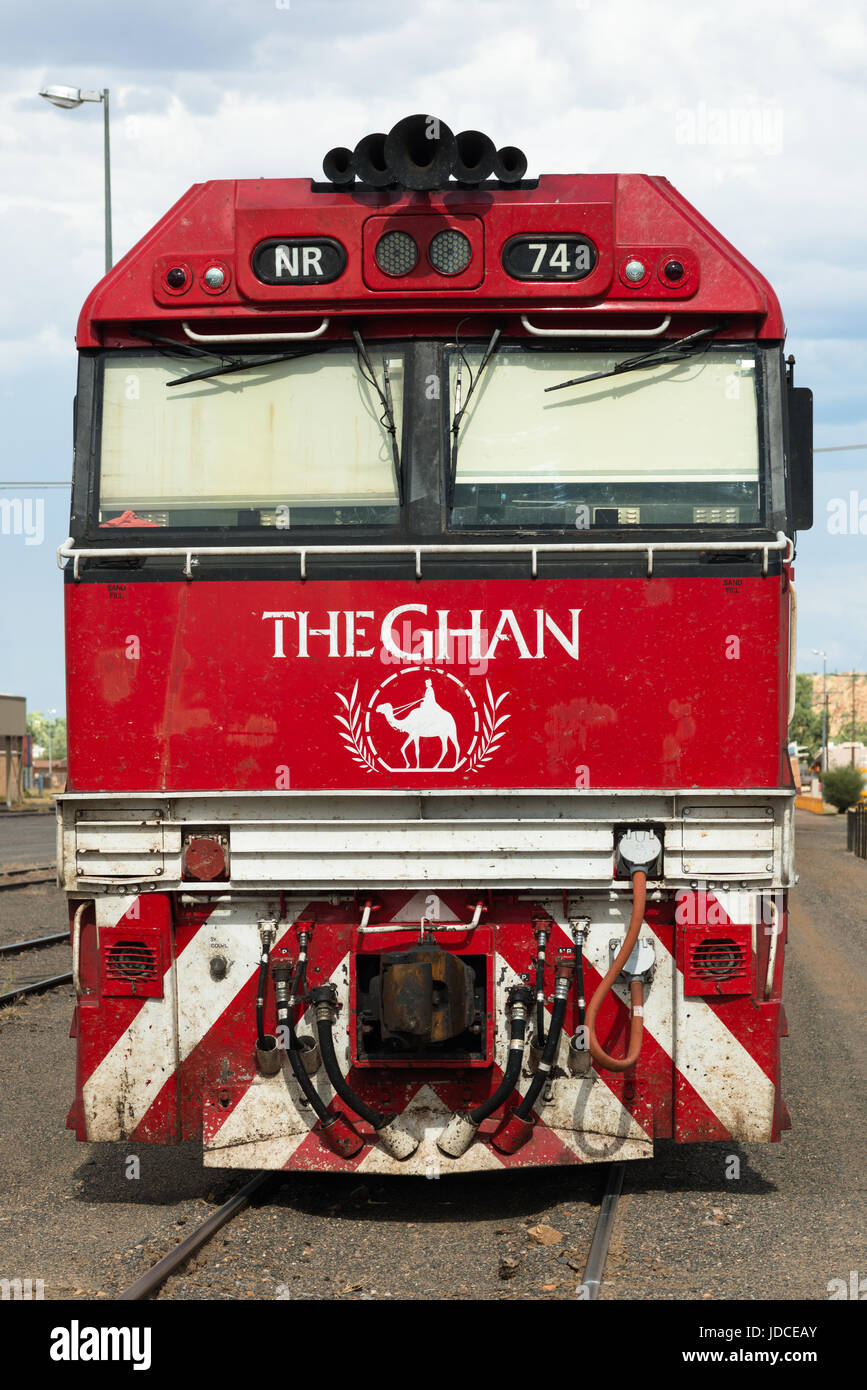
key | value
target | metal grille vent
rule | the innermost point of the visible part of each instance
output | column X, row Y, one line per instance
column 719, row 958
column 131, row 960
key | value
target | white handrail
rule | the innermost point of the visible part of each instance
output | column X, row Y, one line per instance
column 69, row 551
column 774, row 930
column 592, row 332
column 254, row 337
column 76, row 949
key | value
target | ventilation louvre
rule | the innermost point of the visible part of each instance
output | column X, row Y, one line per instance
column 718, row 960
column 131, row 960
column 131, row 965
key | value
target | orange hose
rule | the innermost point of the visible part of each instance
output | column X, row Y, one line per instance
column 636, row 990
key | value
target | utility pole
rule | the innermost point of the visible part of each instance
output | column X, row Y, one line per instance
column 824, row 656
column 853, row 718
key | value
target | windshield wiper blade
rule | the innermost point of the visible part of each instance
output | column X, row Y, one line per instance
column 182, row 349
column 387, row 419
column 460, row 410
column 235, row 364
column 666, row 352
column 486, row 357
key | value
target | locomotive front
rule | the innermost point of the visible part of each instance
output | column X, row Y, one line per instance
column 428, row 618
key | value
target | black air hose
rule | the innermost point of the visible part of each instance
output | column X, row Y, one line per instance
column 549, row 1052
column 520, row 999
column 268, row 934
column 541, row 940
column 284, row 1019
column 323, row 998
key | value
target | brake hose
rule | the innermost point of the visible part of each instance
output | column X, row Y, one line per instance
column 636, row 989
column 286, row 994
column 541, row 941
column 268, row 934
column 519, row 999
column 563, row 974
column 323, row 998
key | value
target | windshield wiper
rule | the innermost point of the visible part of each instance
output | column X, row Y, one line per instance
column 387, row 417
column 460, row 410
column 181, row 349
column 666, row 352
column 236, row 364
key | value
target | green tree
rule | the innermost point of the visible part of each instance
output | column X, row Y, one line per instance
column 805, row 728
column 39, row 725
column 842, row 787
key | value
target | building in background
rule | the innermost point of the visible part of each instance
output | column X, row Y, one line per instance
column 44, row 780
column 14, row 747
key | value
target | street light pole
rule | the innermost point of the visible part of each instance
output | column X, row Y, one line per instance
column 69, row 97
column 51, row 714
column 107, row 159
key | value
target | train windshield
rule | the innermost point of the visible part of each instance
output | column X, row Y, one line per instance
column 666, row 444
column 281, row 444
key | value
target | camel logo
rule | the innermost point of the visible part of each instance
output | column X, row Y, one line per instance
column 421, row 720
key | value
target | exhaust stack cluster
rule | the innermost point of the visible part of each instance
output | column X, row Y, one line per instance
column 421, row 153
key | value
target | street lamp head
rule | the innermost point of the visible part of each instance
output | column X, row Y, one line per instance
column 69, row 96
column 62, row 96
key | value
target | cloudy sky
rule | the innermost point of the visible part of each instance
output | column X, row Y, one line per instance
column 756, row 112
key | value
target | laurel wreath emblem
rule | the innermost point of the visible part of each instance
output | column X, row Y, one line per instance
column 355, row 742
column 492, row 725
column 353, row 739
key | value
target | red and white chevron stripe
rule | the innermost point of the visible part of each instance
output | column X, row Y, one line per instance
column 162, row 1069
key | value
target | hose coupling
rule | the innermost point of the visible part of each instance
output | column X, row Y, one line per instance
column 396, row 1139
column 340, row 1134
column 457, row 1136
column 562, row 978
column 512, row 1134
column 268, row 930
column 308, row 1050
column 268, row 1058
column 519, row 1000
column 282, row 975
column 325, row 999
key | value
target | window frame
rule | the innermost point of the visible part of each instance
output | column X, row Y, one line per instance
column 425, row 460
column 770, row 458
column 86, row 501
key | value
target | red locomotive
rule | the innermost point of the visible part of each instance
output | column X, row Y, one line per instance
column 428, row 620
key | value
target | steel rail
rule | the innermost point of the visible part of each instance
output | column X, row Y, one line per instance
column 51, row 982
column 25, row 883
column 12, row 946
column 158, row 1273
column 595, row 1267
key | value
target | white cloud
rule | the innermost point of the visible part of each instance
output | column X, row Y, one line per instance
column 224, row 90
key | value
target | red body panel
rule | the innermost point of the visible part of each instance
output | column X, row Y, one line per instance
column 676, row 683
column 624, row 215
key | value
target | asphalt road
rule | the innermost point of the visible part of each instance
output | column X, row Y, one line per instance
column 792, row 1221
column 27, row 837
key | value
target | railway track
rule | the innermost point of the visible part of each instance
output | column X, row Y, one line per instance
column 150, row 1282
column 33, row 875
column 170, row 1263
column 27, row 878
